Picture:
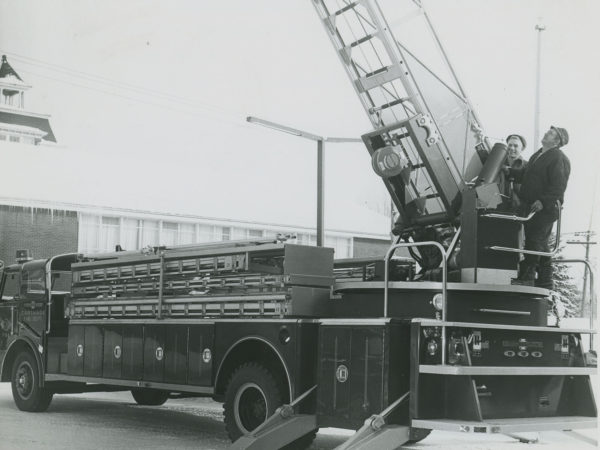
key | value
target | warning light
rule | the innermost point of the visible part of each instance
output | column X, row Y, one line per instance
column 23, row 256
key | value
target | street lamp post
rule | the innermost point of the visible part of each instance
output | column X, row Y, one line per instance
column 536, row 125
column 320, row 164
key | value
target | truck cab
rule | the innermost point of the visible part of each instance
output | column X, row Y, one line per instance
column 32, row 320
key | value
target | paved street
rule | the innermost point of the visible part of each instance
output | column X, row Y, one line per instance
column 114, row 421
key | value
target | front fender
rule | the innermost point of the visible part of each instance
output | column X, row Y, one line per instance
column 18, row 345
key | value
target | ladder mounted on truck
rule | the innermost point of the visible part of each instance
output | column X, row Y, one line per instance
column 236, row 279
column 403, row 97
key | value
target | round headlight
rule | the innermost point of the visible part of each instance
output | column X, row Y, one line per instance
column 437, row 302
column 432, row 347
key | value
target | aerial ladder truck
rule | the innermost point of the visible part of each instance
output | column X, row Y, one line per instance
column 291, row 340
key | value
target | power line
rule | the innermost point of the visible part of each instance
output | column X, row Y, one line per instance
column 232, row 120
column 105, row 80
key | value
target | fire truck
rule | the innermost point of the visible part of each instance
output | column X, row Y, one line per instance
column 430, row 336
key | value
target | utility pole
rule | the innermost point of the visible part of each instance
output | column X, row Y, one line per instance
column 587, row 235
column 536, row 125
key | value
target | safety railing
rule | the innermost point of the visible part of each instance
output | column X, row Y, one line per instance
column 388, row 256
column 590, row 270
column 551, row 253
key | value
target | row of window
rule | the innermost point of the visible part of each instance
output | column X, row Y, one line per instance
column 14, row 138
column 103, row 233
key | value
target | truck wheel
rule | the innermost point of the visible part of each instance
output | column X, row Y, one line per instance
column 25, row 383
column 418, row 434
column 252, row 396
column 149, row 397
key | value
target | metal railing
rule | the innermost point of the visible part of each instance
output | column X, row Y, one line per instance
column 389, row 254
column 512, row 217
column 590, row 270
column 551, row 253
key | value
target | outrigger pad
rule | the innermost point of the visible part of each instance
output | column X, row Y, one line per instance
column 368, row 438
column 277, row 432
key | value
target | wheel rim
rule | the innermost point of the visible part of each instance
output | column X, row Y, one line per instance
column 250, row 406
column 24, row 380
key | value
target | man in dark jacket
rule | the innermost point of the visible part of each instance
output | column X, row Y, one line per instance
column 543, row 184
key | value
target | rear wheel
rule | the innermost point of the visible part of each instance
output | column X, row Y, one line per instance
column 252, row 395
column 149, row 397
column 25, row 383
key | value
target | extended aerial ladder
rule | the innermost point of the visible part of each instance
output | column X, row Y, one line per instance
column 399, row 91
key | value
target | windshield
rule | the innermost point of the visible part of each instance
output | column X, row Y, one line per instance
column 33, row 282
column 11, row 286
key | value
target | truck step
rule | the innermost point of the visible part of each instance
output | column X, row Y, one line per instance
column 516, row 425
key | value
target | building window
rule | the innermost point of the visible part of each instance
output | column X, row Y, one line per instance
column 206, row 233
column 109, row 234
column 255, row 234
column 149, row 233
column 130, row 234
column 187, row 233
column 170, row 232
column 225, row 233
column 2, row 137
column 89, row 233
column 342, row 246
column 14, row 139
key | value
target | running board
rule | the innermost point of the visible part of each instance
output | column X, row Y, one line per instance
column 509, row 426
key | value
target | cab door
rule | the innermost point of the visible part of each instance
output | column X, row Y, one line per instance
column 9, row 287
column 32, row 300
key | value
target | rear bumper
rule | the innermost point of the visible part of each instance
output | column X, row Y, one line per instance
column 557, row 423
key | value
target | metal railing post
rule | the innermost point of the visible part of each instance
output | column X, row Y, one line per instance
column 160, row 285
column 389, row 254
column 590, row 270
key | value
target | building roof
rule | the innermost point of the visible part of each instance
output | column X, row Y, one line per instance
column 6, row 69
column 27, row 119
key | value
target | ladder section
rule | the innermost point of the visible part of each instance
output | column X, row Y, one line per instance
column 252, row 280
column 372, row 60
column 415, row 172
column 394, row 85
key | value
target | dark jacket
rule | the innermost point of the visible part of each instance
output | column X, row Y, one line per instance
column 518, row 165
column 544, row 178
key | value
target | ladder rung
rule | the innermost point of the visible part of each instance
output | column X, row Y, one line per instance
column 345, row 8
column 430, row 196
column 388, row 105
column 378, row 77
column 362, row 40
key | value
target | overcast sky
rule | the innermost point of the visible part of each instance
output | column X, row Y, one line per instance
column 154, row 91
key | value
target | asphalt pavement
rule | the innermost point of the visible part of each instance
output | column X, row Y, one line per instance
column 114, row 421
